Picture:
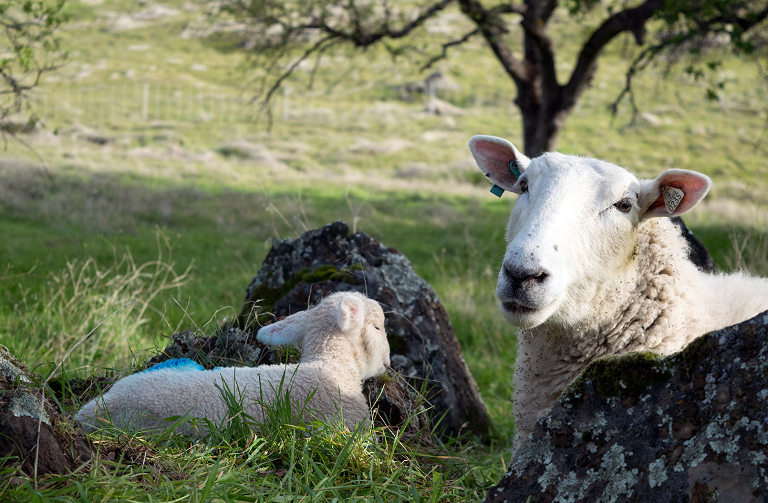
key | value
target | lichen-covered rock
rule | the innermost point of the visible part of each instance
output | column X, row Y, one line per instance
column 689, row 427
column 297, row 273
column 32, row 430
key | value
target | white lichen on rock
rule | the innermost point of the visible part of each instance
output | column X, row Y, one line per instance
column 613, row 470
column 657, row 473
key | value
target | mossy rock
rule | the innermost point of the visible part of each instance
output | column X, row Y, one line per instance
column 687, row 427
column 621, row 376
column 261, row 299
column 297, row 273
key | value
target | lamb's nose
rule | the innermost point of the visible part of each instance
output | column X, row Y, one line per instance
column 521, row 275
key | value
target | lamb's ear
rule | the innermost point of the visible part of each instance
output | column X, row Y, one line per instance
column 499, row 160
column 287, row 331
column 350, row 313
column 672, row 193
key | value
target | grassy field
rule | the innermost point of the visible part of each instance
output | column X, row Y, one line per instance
column 151, row 191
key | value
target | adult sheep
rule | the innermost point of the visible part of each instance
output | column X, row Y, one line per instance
column 342, row 343
column 593, row 267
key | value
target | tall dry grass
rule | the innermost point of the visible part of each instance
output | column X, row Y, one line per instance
column 749, row 253
column 112, row 302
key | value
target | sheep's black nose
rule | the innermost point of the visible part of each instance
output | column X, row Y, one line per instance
column 523, row 275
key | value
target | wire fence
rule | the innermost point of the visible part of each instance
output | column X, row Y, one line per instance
column 139, row 103
column 117, row 104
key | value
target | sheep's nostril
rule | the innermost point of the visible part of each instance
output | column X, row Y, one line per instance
column 508, row 272
column 520, row 275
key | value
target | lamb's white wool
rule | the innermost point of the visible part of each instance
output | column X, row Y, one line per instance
column 343, row 343
column 590, row 270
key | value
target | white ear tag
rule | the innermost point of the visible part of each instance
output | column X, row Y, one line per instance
column 672, row 197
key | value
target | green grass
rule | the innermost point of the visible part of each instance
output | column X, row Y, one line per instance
column 130, row 229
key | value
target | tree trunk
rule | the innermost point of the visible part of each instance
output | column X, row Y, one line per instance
column 539, row 95
column 540, row 129
column 543, row 113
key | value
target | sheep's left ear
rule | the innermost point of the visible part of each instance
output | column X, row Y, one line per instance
column 350, row 313
column 288, row 331
column 672, row 193
column 499, row 161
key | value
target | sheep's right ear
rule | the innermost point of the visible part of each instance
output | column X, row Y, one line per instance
column 499, row 160
column 672, row 193
column 350, row 313
column 288, row 331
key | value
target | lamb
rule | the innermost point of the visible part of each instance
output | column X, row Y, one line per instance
column 593, row 267
column 343, row 343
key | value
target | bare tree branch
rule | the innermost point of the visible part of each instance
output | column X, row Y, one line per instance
column 638, row 64
column 318, row 46
column 361, row 38
column 672, row 40
column 538, row 42
column 493, row 29
column 509, row 8
column 632, row 19
column 444, row 50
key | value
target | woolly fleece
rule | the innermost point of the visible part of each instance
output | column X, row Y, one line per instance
column 663, row 305
column 343, row 342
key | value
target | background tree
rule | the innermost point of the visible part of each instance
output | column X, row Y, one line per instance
column 318, row 26
column 29, row 48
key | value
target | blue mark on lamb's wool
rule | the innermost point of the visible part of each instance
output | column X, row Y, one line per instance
column 181, row 364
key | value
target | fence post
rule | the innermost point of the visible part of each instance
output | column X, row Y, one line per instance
column 286, row 103
column 145, row 103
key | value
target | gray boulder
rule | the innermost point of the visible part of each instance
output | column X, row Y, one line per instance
column 689, row 427
column 424, row 348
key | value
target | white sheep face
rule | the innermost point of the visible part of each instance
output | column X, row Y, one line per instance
column 374, row 341
column 574, row 224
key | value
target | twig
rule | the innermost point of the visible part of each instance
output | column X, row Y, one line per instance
column 199, row 330
column 444, row 50
column 276, row 85
column 51, row 374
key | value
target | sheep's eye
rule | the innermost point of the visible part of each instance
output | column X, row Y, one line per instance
column 523, row 186
column 377, row 327
column 624, row 206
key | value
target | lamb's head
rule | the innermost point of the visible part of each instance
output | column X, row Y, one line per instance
column 346, row 323
column 574, row 226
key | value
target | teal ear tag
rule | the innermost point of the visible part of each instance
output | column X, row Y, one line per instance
column 513, row 168
column 497, row 191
